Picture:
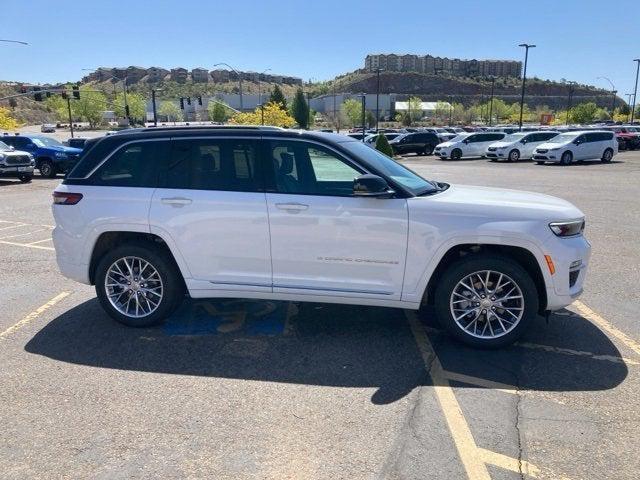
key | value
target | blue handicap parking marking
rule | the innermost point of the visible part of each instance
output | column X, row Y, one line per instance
column 210, row 317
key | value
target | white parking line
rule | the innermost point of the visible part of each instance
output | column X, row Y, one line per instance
column 26, row 245
column 40, row 241
column 23, row 234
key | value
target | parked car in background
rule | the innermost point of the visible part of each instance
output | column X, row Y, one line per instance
column 443, row 134
column 578, row 146
column 48, row 128
column 517, row 146
column 628, row 137
column 420, row 143
column 15, row 163
column 77, row 142
column 467, row 145
column 371, row 139
column 50, row 155
column 308, row 217
column 356, row 136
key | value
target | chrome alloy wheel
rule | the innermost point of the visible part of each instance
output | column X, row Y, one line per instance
column 134, row 287
column 487, row 304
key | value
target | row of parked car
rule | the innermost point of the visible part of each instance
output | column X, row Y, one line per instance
column 20, row 155
column 564, row 145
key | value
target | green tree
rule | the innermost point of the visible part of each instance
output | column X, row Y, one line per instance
column 278, row 97
column 58, row 106
column 171, row 111
column 583, row 113
column 137, row 106
column 371, row 119
column 300, row 109
column 414, row 106
column 382, row 145
column 90, row 107
column 625, row 109
column 353, row 111
column 218, row 111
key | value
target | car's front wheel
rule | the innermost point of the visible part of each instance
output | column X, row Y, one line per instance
column 566, row 158
column 456, row 154
column 47, row 169
column 138, row 285
column 486, row 301
column 514, row 155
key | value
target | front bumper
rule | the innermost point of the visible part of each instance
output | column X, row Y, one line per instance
column 15, row 170
column 495, row 154
column 570, row 257
column 550, row 156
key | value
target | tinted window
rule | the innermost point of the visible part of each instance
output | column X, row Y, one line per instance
column 493, row 137
column 212, row 164
column 546, row 136
column 133, row 165
column 475, row 138
column 307, row 168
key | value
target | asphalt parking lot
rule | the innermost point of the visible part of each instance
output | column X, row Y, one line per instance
column 234, row 389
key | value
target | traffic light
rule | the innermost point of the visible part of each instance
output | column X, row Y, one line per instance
column 37, row 95
column 199, row 100
column 76, row 92
column 188, row 100
column 181, row 103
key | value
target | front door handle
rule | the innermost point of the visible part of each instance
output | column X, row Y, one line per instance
column 292, row 207
column 176, row 201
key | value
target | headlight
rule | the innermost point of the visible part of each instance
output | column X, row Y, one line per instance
column 61, row 155
column 554, row 149
column 567, row 229
column 2, row 157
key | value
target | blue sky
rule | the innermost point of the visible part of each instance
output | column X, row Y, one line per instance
column 577, row 39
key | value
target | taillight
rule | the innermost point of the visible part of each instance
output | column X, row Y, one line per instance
column 65, row 198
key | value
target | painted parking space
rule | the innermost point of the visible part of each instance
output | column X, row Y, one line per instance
column 26, row 235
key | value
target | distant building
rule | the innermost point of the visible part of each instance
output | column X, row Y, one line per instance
column 157, row 74
column 200, row 75
column 443, row 66
column 179, row 74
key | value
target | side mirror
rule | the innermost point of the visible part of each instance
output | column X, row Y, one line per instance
column 369, row 185
column 577, row 142
column 465, row 142
column 523, row 141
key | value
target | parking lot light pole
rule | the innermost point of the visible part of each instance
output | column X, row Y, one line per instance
column 260, row 85
column 526, row 46
column 377, row 97
column 239, row 78
column 613, row 91
column 629, row 95
column 571, row 84
column 493, row 83
column 635, row 90
column 364, row 99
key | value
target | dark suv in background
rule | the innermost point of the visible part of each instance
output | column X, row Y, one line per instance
column 51, row 156
column 420, row 143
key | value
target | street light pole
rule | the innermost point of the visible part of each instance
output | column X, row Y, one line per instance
column 493, row 83
column 260, row 85
column 629, row 95
column 153, row 104
column 569, row 101
column 239, row 79
column 613, row 92
column 364, row 99
column 377, row 98
column 635, row 90
column 526, row 46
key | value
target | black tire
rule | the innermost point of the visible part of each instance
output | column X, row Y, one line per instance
column 428, row 150
column 458, row 271
column 514, row 155
column 173, row 286
column 47, row 169
column 607, row 156
column 566, row 159
column 456, row 154
column 25, row 178
column 540, row 162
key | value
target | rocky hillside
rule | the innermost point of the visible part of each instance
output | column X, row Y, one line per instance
column 469, row 90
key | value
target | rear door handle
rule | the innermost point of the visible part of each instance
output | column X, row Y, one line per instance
column 176, row 201
column 292, row 207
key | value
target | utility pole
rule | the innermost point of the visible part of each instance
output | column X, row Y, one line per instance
column 335, row 119
column 629, row 95
column 70, row 119
column 493, row 83
column 364, row 99
column 613, row 103
column 527, row 46
column 377, row 98
column 308, row 108
column 153, row 104
column 569, row 101
column 635, row 90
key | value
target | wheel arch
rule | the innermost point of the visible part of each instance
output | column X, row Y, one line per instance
column 524, row 257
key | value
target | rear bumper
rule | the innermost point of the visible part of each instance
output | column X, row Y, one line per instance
column 68, row 249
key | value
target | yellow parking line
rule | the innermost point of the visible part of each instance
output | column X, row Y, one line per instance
column 35, row 314
column 479, row 382
column 607, row 326
column 469, row 453
column 15, row 244
column 511, row 464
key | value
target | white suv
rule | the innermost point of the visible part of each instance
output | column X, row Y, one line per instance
column 467, row 145
column 577, row 146
column 517, row 146
column 150, row 216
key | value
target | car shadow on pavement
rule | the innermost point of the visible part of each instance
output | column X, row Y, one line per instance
column 326, row 345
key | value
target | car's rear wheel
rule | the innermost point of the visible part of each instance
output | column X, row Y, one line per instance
column 607, row 156
column 566, row 158
column 456, row 154
column 138, row 285
column 514, row 155
column 428, row 150
column 25, row 178
column 486, row 301
column 47, row 169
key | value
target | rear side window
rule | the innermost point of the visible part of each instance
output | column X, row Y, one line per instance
column 213, row 164
column 134, row 165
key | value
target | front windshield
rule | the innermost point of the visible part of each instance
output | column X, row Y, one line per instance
column 390, row 168
column 514, row 137
column 4, row 147
column 564, row 137
column 46, row 142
